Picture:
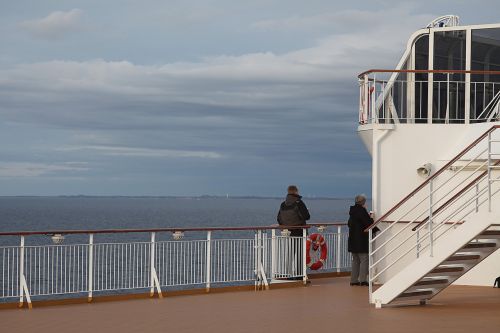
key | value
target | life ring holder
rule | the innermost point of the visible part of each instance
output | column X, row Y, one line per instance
column 315, row 242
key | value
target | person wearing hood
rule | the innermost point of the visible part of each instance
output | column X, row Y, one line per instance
column 293, row 212
column 359, row 220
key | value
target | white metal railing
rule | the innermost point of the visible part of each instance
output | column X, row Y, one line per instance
column 438, row 205
column 44, row 270
column 404, row 98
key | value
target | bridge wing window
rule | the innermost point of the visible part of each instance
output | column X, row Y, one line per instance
column 449, row 89
column 421, row 79
column 485, row 56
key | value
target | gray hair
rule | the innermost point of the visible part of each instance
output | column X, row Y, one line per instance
column 360, row 199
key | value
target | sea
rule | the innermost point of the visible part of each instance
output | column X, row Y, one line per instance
column 94, row 213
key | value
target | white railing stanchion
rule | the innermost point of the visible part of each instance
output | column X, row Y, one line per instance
column 370, row 282
column 273, row 254
column 431, row 222
column 489, row 171
column 91, row 266
column 477, row 197
column 304, row 255
column 261, row 273
column 152, row 265
column 209, row 262
column 21, row 272
column 339, row 240
column 366, row 98
column 154, row 282
column 418, row 243
column 23, row 286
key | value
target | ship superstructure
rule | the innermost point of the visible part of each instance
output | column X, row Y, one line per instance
column 432, row 128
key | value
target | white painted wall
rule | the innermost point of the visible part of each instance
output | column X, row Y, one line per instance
column 397, row 152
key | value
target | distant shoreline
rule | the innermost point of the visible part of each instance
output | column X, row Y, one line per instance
column 169, row 197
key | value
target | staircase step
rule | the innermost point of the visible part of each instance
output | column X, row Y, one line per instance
column 439, row 270
column 427, row 282
column 464, row 257
column 479, row 245
column 489, row 234
column 416, row 293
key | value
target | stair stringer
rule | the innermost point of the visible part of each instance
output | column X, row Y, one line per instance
column 444, row 247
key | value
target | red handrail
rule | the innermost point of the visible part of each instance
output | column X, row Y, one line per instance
column 427, row 71
column 116, row 231
column 437, row 173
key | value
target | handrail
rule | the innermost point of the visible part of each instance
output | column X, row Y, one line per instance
column 183, row 229
column 427, row 71
column 472, row 183
column 437, row 173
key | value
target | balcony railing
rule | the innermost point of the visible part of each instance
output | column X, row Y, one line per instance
column 424, row 96
column 49, row 263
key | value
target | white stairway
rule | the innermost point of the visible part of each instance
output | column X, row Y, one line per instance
column 454, row 254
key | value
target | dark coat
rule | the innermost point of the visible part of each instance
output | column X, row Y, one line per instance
column 359, row 220
column 293, row 212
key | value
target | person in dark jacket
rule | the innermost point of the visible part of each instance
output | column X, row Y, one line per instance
column 359, row 220
column 293, row 212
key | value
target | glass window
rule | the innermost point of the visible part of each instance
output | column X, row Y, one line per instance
column 485, row 56
column 449, row 89
column 421, row 79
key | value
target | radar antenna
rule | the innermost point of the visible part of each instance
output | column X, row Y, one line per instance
column 444, row 21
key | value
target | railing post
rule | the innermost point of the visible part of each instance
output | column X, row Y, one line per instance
column 489, row 171
column 430, row 219
column 256, row 258
column 273, row 254
column 304, row 255
column 152, row 265
column 339, row 240
column 21, row 272
column 370, row 260
column 447, row 117
column 365, row 97
column 91, row 266
column 418, row 243
column 23, row 286
column 477, row 197
column 209, row 257
column 373, row 94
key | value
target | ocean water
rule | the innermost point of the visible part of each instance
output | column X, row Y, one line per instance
column 76, row 213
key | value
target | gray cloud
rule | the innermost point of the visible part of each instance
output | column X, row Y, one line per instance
column 53, row 26
column 245, row 123
column 26, row 169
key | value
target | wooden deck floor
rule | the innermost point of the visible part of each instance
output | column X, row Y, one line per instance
column 327, row 305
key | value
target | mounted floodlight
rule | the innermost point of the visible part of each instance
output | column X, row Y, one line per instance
column 425, row 170
column 445, row 21
column 57, row 238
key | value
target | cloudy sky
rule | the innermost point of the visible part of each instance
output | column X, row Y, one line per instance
column 195, row 97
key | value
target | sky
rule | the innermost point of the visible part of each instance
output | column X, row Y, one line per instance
column 195, row 97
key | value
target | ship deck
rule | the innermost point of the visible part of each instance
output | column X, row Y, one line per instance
column 324, row 305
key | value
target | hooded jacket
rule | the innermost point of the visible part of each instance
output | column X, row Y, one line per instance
column 293, row 212
column 359, row 220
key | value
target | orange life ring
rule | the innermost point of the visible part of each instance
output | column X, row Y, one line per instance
column 315, row 242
